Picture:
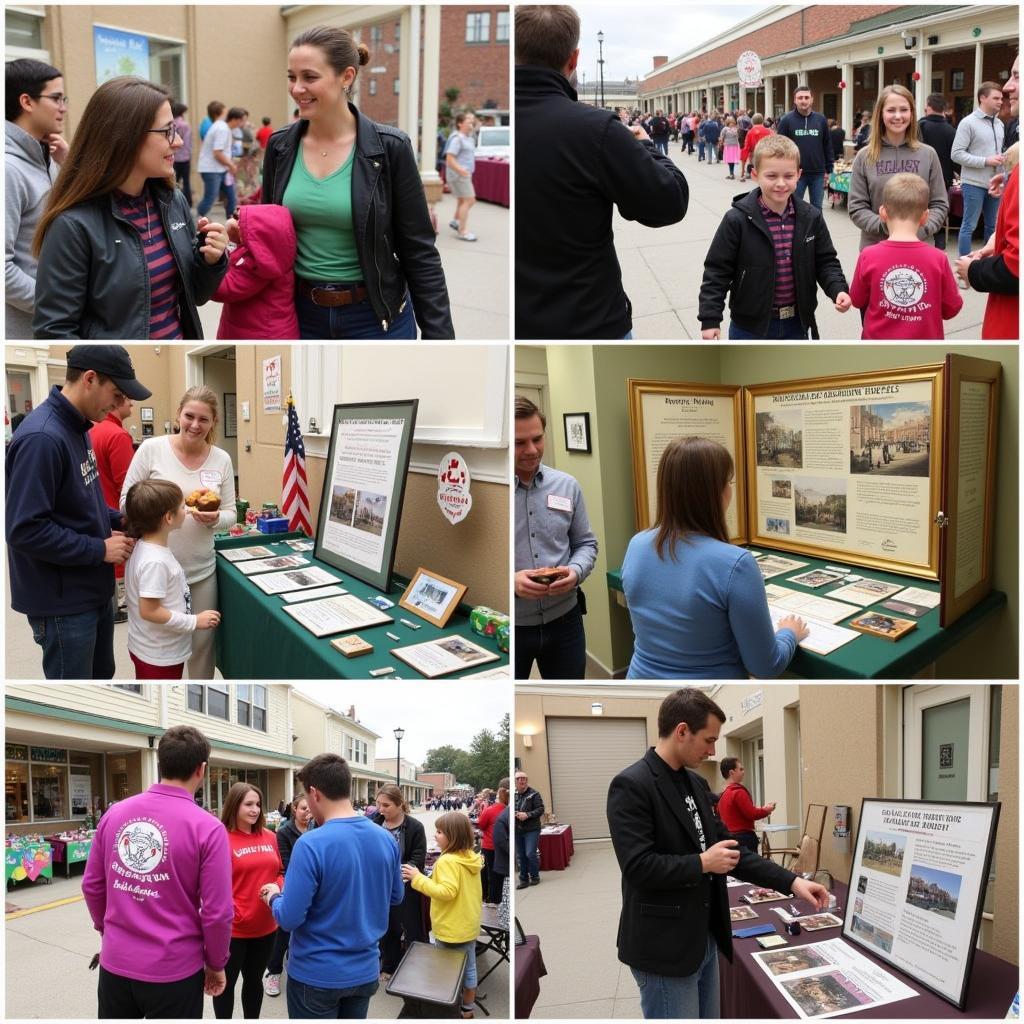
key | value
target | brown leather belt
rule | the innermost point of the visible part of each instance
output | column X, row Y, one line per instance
column 331, row 295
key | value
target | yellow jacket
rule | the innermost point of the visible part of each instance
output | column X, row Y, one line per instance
column 455, row 896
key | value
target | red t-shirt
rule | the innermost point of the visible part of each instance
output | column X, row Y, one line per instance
column 255, row 861
column 737, row 810
column 114, row 451
column 263, row 134
column 485, row 822
column 906, row 290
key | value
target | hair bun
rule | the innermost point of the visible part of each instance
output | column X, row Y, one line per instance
column 364, row 54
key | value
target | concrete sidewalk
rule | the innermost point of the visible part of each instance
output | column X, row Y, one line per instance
column 662, row 267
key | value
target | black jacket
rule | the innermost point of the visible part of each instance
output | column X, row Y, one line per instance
column 287, row 836
column 573, row 164
column 93, row 281
column 414, row 842
column 532, row 803
column 392, row 227
column 741, row 261
column 500, row 837
column 668, row 903
column 938, row 133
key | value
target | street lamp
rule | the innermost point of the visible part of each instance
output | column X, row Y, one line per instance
column 600, row 63
column 399, row 733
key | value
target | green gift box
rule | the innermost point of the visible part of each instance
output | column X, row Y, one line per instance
column 486, row 621
column 502, row 635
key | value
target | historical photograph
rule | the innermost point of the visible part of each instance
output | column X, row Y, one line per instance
column 371, row 512
column 821, row 504
column 883, row 851
column 773, row 524
column 934, row 890
column 780, row 438
column 891, row 439
column 343, row 504
column 782, row 488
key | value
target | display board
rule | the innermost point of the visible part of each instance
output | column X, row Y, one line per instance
column 917, row 887
column 364, row 487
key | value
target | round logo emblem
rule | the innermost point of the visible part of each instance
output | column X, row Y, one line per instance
column 140, row 846
column 903, row 286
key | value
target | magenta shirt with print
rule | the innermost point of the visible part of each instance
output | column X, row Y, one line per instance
column 158, row 887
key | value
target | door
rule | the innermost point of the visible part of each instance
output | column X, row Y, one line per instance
column 19, row 392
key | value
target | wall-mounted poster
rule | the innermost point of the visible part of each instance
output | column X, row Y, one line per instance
column 364, row 486
column 272, row 384
column 917, row 887
column 119, row 53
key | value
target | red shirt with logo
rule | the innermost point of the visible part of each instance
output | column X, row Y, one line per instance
column 255, row 861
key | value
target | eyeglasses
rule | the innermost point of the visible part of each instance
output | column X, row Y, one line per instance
column 168, row 133
column 58, row 97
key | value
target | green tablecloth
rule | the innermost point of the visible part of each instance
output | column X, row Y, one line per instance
column 839, row 182
column 873, row 657
column 30, row 861
column 257, row 640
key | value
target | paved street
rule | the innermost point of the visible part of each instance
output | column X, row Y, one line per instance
column 662, row 267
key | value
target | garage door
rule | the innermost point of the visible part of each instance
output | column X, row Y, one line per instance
column 584, row 755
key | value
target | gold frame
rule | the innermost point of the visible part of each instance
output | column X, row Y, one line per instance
column 453, row 603
column 636, row 388
column 933, row 372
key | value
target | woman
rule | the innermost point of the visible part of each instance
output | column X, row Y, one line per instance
column 894, row 148
column 288, row 833
column 838, row 136
column 190, row 459
column 367, row 262
column 255, row 861
column 183, row 155
column 118, row 252
column 863, row 131
column 407, row 917
column 485, row 823
column 697, row 602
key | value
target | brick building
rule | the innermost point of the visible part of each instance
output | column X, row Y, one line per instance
column 949, row 48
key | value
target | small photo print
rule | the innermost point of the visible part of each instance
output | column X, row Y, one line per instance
column 933, row 890
column 782, row 488
column 742, row 914
column 815, row 578
column 821, row 505
column 789, row 961
column 343, row 504
column 773, row 524
column 883, row 851
column 825, row 993
column 780, row 438
column 869, row 933
column 371, row 512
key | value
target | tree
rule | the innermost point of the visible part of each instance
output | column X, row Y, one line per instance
column 482, row 766
column 445, row 759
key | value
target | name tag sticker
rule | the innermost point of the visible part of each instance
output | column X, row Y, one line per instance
column 557, row 501
column 209, row 478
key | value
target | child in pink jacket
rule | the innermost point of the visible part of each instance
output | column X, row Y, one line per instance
column 258, row 291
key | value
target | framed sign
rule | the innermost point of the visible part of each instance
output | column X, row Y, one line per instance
column 364, row 487
column 432, row 597
column 230, row 414
column 146, row 413
column 577, row 431
column 917, row 888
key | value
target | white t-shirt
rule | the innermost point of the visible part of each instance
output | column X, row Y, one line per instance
column 218, row 137
column 152, row 571
column 192, row 545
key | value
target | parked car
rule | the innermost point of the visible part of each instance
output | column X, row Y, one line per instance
column 494, row 140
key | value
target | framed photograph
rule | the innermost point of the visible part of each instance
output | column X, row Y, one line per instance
column 956, row 79
column 230, row 414
column 364, row 487
column 432, row 597
column 886, row 626
column 920, row 869
column 146, row 413
column 577, row 431
column 445, row 655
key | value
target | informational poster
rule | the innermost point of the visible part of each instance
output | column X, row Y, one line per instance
column 975, row 445
column 445, row 655
column 81, row 793
column 119, row 53
column 272, row 384
column 917, row 887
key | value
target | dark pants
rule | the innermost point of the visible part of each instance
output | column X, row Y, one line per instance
column 338, row 323
column 249, row 958
column 407, row 919
column 526, row 853
column 485, row 875
column 778, row 330
column 183, row 176
column 748, row 840
column 123, row 998
column 79, row 646
column 307, row 1002
column 558, row 647
column 275, row 965
column 495, row 884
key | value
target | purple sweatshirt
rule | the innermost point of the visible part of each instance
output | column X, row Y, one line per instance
column 158, row 887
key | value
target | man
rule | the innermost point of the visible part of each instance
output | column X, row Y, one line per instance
column 809, row 130
column 529, row 811
column 114, row 451
column 158, row 888
column 35, row 150
column 660, row 130
column 978, row 149
column 712, row 133
column 574, row 164
column 62, row 537
column 736, row 806
column 215, row 160
column 938, row 133
column 552, row 531
column 674, row 856
column 343, row 878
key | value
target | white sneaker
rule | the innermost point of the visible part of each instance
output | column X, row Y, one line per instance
column 272, row 984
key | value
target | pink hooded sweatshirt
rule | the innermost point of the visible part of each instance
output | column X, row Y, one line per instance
column 258, row 291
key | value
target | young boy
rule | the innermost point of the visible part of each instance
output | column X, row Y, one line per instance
column 905, row 286
column 770, row 253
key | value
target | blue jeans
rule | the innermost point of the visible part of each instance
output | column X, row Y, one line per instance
column 813, row 183
column 778, row 330
column 79, row 646
column 700, row 150
column 306, row 1002
column 330, row 323
column 469, row 948
column 661, row 145
column 977, row 202
column 694, row 997
column 628, row 336
column 526, row 854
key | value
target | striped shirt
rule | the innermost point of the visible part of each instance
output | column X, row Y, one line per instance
column 143, row 213
column 781, row 227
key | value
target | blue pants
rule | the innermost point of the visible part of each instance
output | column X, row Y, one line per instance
column 332, row 323
column 526, row 854
column 694, row 997
column 307, row 1002
column 79, row 646
column 558, row 647
column 813, row 183
column 778, row 330
column 469, row 948
column 977, row 202
column 661, row 145
column 712, row 152
column 212, row 183
column 700, row 150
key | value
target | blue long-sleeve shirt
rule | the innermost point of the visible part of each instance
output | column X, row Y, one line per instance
column 702, row 616
column 343, row 878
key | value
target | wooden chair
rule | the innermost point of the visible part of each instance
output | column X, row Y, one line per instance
column 814, row 829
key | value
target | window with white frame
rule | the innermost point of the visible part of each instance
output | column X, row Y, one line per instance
column 395, row 86
column 376, row 35
column 130, row 687
column 478, row 27
column 212, row 700
column 23, row 31
column 373, row 86
column 501, row 27
column 252, row 706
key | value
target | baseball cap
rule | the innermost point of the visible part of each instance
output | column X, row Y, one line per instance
column 112, row 361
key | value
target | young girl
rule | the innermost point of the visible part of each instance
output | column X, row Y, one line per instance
column 118, row 252
column 456, row 900
column 731, row 146
column 160, row 619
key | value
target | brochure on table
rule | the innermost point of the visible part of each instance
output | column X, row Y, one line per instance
column 917, row 887
column 336, row 615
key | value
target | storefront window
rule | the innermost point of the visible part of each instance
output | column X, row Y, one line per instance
column 16, row 806
column 22, row 30
column 49, row 792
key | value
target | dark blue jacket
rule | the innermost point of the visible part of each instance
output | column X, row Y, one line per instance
column 57, row 518
column 500, row 836
column 712, row 130
column 812, row 137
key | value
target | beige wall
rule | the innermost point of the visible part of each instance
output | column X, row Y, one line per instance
column 1005, row 940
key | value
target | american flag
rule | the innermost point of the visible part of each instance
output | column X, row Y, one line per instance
column 294, row 491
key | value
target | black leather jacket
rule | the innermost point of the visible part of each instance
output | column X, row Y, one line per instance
column 392, row 227
column 93, row 281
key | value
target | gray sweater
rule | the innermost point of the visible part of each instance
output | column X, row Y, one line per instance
column 977, row 137
column 27, row 182
column 867, row 183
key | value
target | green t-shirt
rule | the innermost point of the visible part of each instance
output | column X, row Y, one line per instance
column 322, row 212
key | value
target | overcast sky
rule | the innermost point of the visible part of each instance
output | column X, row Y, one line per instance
column 432, row 713
column 634, row 33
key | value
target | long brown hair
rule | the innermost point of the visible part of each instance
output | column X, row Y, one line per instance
column 456, row 826
column 692, row 475
column 394, row 794
column 105, row 147
column 236, row 794
column 874, row 146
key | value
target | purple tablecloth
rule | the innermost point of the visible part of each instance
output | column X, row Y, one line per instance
column 748, row 992
column 556, row 849
column 529, row 970
column 491, row 180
